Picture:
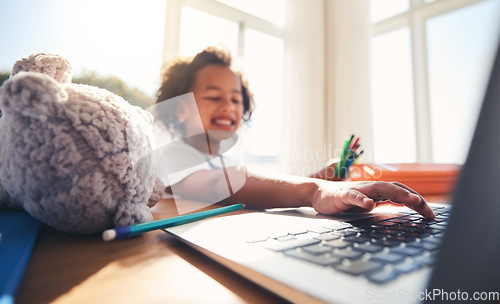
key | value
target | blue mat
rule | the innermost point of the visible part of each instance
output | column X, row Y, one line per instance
column 18, row 234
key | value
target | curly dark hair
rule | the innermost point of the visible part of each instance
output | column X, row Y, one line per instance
column 179, row 76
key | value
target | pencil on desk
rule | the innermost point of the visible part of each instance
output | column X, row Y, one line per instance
column 123, row 232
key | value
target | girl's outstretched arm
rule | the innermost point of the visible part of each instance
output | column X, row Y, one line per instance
column 283, row 191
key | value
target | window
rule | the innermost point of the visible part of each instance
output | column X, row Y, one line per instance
column 199, row 30
column 272, row 11
column 437, row 55
column 458, row 74
column 117, row 38
column 383, row 9
column 392, row 97
column 252, row 31
column 264, row 69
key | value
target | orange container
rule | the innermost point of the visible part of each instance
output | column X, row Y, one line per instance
column 425, row 178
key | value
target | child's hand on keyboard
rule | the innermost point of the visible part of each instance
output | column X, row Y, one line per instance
column 332, row 198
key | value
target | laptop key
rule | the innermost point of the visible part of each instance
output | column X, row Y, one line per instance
column 383, row 276
column 316, row 249
column 277, row 236
column 346, row 232
column 441, row 218
column 357, row 239
column 433, row 239
column 414, row 225
column 387, row 243
column 320, row 230
column 388, row 232
column 425, row 221
column 323, row 260
column 408, row 251
column 327, row 236
column 359, row 267
column 373, row 235
column 374, row 219
column 286, row 238
column 433, row 230
column 418, row 233
column 439, row 235
column 337, row 244
column 429, row 246
column 401, row 228
column 282, row 246
column 388, row 257
column 298, row 232
column 407, row 267
column 370, row 248
column 425, row 259
column 400, row 220
column 402, row 238
column 347, row 253
column 385, row 223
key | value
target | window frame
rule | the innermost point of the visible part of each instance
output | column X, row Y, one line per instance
column 215, row 8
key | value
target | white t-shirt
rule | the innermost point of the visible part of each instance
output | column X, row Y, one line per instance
column 178, row 160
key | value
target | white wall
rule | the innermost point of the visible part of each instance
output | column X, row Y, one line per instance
column 348, row 106
column 305, row 80
column 328, row 68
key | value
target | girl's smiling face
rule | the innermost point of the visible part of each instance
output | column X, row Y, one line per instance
column 217, row 91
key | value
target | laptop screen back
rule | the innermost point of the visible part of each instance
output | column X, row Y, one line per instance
column 468, row 264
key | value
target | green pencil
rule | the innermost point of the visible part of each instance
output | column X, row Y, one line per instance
column 123, row 232
column 341, row 164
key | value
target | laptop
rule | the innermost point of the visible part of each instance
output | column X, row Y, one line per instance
column 392, row 255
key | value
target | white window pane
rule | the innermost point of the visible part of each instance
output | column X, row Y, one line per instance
column 200, row 30
column 263, row 67
column 461, row 46
column 383, row 9
column 113, row 37
column 273, row 11
column 392, row 98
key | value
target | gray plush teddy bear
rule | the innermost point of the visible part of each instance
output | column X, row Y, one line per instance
column 76, row 157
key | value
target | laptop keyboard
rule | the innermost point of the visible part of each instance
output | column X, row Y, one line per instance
column 380, row 248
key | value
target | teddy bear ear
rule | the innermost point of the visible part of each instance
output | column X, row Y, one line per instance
column 31, row 95
column 52, row 65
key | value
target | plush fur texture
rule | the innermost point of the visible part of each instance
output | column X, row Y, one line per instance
column 74, row 156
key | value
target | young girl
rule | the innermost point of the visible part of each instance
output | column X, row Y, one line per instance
column 223, row 102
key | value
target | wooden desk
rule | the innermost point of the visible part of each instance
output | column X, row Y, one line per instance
column 153, row 268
